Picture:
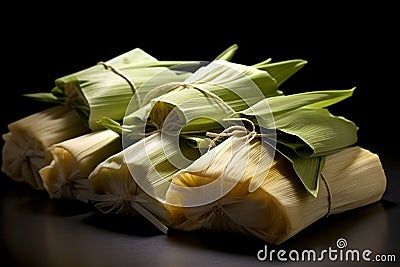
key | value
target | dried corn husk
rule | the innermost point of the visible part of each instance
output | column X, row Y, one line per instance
column 25, row 149
column 306, row 131
column 281, row 70
column 280, row 207
column 106, row 89
column 202, row 101
column 73, row 160
column 135, row 180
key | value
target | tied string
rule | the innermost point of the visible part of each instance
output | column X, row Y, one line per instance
column 108, row 203
column 123, row 76
column 160, row 90
column 235, row 130
column 229, row 214
column 239, row 131
column 115, row 204
column 178, row 86
column 329, row 194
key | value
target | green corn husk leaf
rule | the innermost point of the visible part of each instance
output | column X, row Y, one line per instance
column 286, row 103
column 111, row 125
column 228, row 53
column 315, row 132
column 198, row 141
column 107, row 93
column 105, row 90
column 202, row 101
column 281, row 70
column 306, row 130
column 307, row 169
column 300, row 114
column 310, row 135
column 45, row 97
column 223, row 78
column 113, row 103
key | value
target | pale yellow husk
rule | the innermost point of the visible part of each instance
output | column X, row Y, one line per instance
column 73, row 160
column 115, row 190
column 280, row 207
column 25, row 145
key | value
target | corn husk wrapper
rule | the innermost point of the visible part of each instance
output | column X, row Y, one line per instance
column 105, row 90
column 280, row 207
column 306, row 131
column 200, row 103
column 135, row 180
column 25, row 148
column 281, row 70
column 66, row 177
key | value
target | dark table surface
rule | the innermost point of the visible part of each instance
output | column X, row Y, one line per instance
column 39, row 231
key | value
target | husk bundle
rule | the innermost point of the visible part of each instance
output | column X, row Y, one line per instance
column 280, row 207
column 296, row 165
column 73, row 160
column 105, row 89
column 25, row 145
column 201, row 102
column 135, row 180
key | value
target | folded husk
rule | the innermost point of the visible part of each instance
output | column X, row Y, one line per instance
column 105, row 89
column 202, row 101
column 25, row 149
column 73, row 160
column 114, row 187
column 306, row 130
column 281, row 70
column 280, row 207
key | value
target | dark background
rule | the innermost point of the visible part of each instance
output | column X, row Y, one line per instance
column 345, row 45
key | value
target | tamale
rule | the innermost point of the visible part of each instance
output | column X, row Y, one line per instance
column 202, row 101
column 134, row 181
column 280, row 207
column 25, row 148
column 72, row 161
column 105, row 89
